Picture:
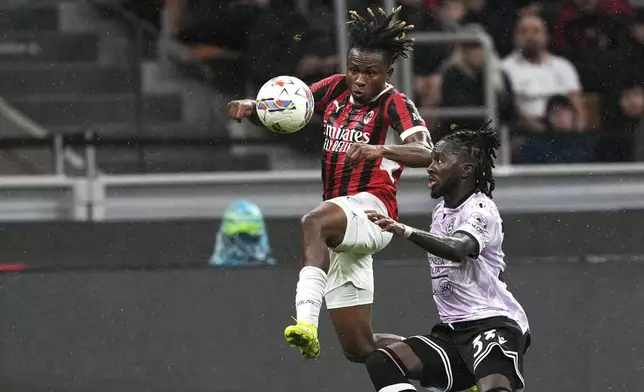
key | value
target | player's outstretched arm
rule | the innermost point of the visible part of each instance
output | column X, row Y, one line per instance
column 416, row 152
column 244, row 108
column 454, row 248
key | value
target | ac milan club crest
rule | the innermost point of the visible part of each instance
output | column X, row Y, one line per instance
column 368, row 117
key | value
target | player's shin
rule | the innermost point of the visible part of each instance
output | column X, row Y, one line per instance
column 387, row 375
column 309, row 294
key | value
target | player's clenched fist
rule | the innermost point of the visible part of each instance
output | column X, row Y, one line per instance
column 359, row 152
column 241, row 109
column 386, row 223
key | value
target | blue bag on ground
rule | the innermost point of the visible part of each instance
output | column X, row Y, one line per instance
column 242, row 239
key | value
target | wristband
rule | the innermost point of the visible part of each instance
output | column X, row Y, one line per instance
column 408, row 232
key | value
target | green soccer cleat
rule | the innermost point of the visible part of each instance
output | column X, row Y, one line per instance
column 305, row 337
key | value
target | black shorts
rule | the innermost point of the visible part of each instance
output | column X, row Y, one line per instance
column 455, row 356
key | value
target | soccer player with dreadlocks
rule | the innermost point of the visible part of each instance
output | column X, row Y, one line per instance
column 483, row 331
column 371, row 131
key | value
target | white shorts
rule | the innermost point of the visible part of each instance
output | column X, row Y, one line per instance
column 350, row 276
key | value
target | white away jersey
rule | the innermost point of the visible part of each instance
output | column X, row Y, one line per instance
column 472, row 290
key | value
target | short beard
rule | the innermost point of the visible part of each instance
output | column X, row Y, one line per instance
column 531, row 53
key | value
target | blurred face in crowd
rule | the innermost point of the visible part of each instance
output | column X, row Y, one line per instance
column 475, row 6
column 367, row 74
column 632, row 101
column 637, row 31
column 531, row 38
column 586, row 5
column 562, row 119
column 452, row 11
column 473, row 56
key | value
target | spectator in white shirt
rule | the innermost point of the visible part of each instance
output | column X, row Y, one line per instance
column 536, row 75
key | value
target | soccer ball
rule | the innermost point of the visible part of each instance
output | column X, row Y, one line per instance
column 285, row 104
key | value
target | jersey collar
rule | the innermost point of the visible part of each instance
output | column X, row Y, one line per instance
column 377, row 97
column 463, row 201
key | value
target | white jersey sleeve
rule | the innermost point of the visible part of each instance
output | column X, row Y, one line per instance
column 480, row 220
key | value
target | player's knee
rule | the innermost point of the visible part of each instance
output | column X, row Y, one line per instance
column 495, row 383
column 311, row 221
column 386, row 373
column 315, row 221
column 383, row 340
column 358, row 354
column 327, row 220
column 383, row 361
column 376, row 362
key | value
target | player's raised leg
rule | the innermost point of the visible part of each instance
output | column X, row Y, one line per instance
column 322, row 227
column 350, row 288
column 342, row 225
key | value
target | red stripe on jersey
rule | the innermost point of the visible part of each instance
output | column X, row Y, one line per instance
column 327, row 96
column 376, row 180
column 322, row 91
column 331, row 158
column 335, row 159
column 404, row 114
column 379, row 127
column 328, row 175
column 341, row 187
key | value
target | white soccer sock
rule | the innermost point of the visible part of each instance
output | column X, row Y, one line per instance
column 309, row 294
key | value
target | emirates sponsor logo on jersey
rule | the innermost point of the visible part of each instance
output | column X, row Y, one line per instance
column 339, row 139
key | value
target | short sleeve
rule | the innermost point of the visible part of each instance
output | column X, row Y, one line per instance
column 404, row 116
column 479, row 223
column 322, row 91
column 508, row 66
column 568, row 77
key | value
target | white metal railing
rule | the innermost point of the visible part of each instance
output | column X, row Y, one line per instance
column 13, row 122
column 44, row 197
column 290, row 176
column 531, row 189
column 293, row 193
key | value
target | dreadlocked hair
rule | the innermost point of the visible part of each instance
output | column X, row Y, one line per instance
column 481, row 145
column 381, row 33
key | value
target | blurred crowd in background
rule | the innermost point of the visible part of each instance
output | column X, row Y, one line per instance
column 569, row 74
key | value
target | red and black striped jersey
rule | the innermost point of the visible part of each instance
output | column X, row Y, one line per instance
column 387, row 119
